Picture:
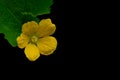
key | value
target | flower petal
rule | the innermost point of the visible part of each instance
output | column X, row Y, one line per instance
column 32, row 52
column 30, row 28
column 22, row 41
column 46, row 28
column 47, row 45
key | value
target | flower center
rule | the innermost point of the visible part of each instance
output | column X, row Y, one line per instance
column 34, row 39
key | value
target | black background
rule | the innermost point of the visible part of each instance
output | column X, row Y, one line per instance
column 81, row 40
column 14, row 56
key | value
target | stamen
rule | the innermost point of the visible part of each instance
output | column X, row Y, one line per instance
column 34, row 39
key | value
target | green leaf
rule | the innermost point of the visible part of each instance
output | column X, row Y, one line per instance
column 13, row 13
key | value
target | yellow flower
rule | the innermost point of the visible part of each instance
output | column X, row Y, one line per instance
column 37, row 39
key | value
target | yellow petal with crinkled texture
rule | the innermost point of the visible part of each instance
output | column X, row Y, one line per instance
column 47, row 45
column 22, row 41
column 30, row 28
column 32, row 52
column 46, row 28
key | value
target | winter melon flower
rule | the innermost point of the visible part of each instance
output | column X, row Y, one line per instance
column 36, row 39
